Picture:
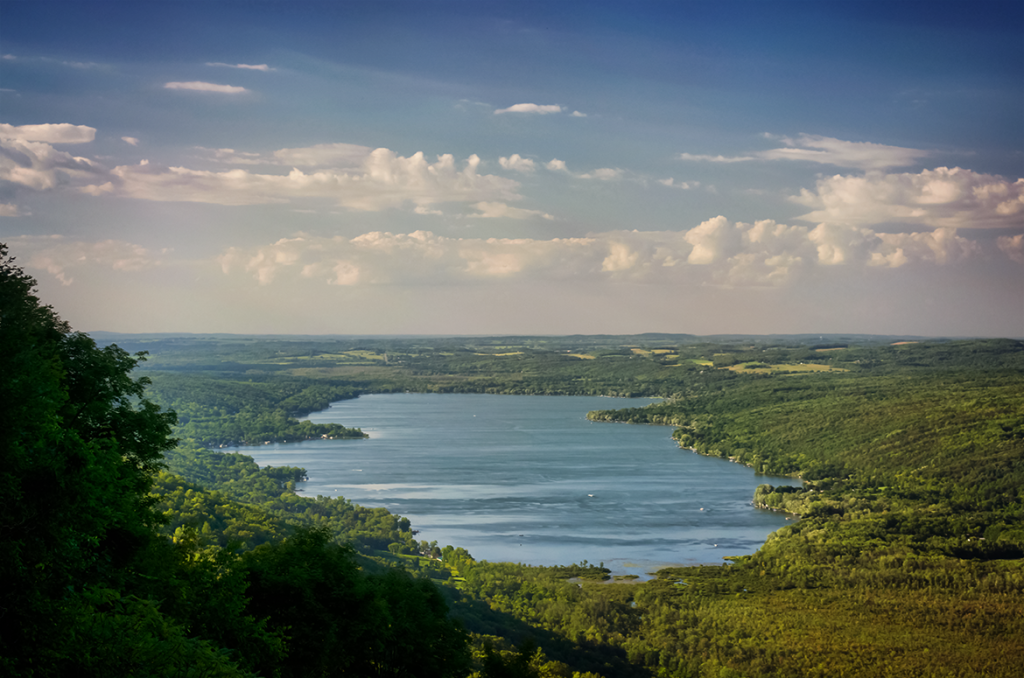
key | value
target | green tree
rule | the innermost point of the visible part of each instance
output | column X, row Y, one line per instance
column 79, row 445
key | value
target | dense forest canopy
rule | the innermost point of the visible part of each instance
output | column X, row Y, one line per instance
column 133, row 546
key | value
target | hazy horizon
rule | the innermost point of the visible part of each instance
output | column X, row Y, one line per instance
column 517, row 169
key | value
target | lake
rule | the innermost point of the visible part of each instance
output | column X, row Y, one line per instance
column 528, row 479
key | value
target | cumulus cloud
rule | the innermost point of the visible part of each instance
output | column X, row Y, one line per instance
column 250, row 67
column 383, row 180
column 198, row 86
column 497, row 210
column 39, row 166
column 941, row 246
column 1013, row 246
column 577, row 114
column 603, row 174
column 131, row 141
column 29, row 162
column 939, row 198
column 62, row 133
column 351, row 175
column 61, row 257
column 517, row 163
column 717, row 251
column 540, row 109
column 827, row 151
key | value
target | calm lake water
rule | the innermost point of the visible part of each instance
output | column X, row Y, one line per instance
column 528, row 479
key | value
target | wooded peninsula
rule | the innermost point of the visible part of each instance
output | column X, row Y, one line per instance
column 133, row 546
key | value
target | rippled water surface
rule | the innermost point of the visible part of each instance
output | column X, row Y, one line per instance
column 528, row 479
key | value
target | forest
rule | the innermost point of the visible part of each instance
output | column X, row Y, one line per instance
column 133, row 546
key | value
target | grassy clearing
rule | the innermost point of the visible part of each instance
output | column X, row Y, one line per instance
column 761, row 368
column 350, row 371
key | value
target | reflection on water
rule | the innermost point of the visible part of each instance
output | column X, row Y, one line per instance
column 528, row 479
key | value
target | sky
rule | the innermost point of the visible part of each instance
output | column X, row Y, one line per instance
column 491, row 168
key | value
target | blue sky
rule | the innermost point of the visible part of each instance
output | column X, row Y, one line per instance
column 517, row 168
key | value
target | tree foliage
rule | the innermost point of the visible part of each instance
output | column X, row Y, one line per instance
column 78, row 448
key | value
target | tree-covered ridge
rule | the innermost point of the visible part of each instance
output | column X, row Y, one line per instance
column 228, row 497
column 88, row 586
column 219, row 412
column 919, row 417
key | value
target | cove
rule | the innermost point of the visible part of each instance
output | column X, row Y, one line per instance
column 529, row 479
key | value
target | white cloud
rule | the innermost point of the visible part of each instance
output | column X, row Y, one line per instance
column 323, row 155
column 39, row 166
column 712, row 241
column 941, row 246
column 853, row 245
column 1013, row 246
column 682, row 185
column 131, row 141
column 62, row 133
column 577, row 114
column 206, row 87
column 939, row 198
column 230, row 156
column 336, row 156
column 8, row 209
column 384, row 180
column 61, row 257
column 517, row 163
column 827, row 151
column 716, row 158
column 354, row 176
column 499, row 210
column 540, row 109
column 717, row 251
column 604, row 174
column 250, row 67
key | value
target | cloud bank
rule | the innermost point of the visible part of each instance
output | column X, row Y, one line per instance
column 383, row 180
column 717, row 251
column 939, row 198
